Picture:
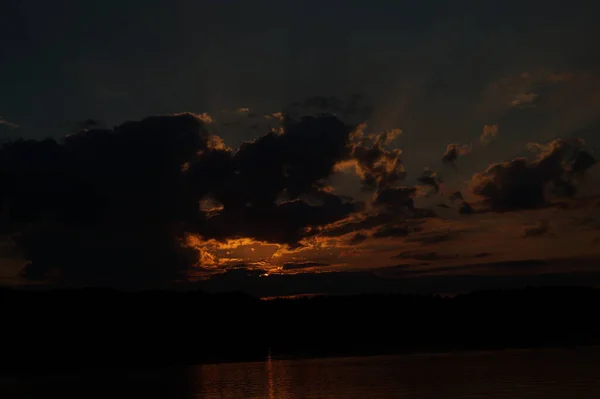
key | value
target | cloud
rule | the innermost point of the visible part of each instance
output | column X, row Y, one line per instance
column 204, row 117
column 391, row 220
column 360, row 223
column 274, row 115
column 357, row 239
column 157, row 182
column 7, row 124
column 524, row 184
column 303, row 265
column 392, row 213
column 277, row 164
column 523, row 99
column 457, row 199
column 131, row 181
column 423, row 256
column 457, row 196
column 378, row 166
column 541, row 229
column 489, row 133
column 466, row 208
column 113, row 205
column 525, row 90
column 393, row 231
column 453, row 151
column 430, row 178
column 399, row 199
column 588, row 223
column 353, row 105
column 493, row 268
column 482, row 255
column 433, row 237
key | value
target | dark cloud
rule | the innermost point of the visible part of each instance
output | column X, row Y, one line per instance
column 453, row 151
column 511, row 185
column 386, row 224
column 494, row 268
column 423, row 256
column 466, row 208
column 541, row 229
column 431, row 238
column 432, row 256
column 104, row 206
column 400, row 201
column 277, row 162
column 395, row 216
column 302, row 265
column 392, row 231
column 260, row 172
column 525, row 184
column 482, row 255
column 115, row 205
column 379, row 167
column 430, row 178
column 457, row 196
column 457, row 199
column 581, row 162
column 286, row 223
column 397, row 200
column 353, row 105
column 357, row 239
column 587, row 223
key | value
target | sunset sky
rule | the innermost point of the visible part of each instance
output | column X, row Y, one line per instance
column 447, row 145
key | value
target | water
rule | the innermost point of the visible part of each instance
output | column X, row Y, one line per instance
column 548, row 374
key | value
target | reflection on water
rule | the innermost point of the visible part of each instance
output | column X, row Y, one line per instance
column 270, row 380
column 547, row 374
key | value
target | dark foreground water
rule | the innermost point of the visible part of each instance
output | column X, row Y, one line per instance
column 548, row 374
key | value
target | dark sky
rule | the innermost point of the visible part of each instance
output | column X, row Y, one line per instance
column 491, row 77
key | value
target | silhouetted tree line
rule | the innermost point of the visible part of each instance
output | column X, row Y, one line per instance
column 69, row 329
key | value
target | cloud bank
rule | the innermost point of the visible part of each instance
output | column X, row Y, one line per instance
column 160, row 199
column 118, row 206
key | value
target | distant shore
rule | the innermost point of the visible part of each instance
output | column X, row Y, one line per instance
column 79, row 329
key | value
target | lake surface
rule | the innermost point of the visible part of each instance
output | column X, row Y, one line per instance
column 548, row 374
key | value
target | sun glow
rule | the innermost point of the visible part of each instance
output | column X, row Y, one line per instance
column 214, row 253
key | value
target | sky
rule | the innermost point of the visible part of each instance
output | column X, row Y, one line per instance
column 289, row 147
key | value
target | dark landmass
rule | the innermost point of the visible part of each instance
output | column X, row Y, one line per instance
column 53, row 330
column 408, row 278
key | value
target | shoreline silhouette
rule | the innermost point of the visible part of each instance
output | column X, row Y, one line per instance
column 53, row 330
